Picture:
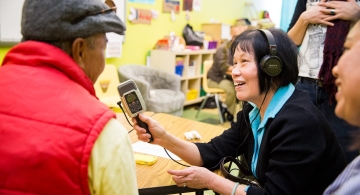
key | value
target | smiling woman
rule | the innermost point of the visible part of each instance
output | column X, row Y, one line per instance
column 262, row 59
column 275, row 132
column 347, row 79
column 347, row 76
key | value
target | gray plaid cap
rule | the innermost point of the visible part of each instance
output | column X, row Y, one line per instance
column 50, row 20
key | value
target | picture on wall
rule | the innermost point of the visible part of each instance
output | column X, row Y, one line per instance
column 188, row 5
column 171, row 5
column 197, row 5
column 140, row 16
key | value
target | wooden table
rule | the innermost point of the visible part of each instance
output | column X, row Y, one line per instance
column 121, row 118
column 155, row 179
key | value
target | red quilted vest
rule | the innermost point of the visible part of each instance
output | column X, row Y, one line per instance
column 49, row 121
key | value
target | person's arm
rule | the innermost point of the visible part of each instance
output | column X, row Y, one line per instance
column 199, row 177
column 112, row 164
column 187, row 151
column 302, row 18
column 221, row 58
column 227, row 144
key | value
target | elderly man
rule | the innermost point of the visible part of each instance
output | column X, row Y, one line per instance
column 56, row 137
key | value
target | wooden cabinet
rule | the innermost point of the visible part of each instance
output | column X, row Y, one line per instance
column 191, row 74
column 218, row 31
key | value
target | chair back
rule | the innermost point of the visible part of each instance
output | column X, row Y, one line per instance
column 159, row 89
column 106, row 86
column 207, row 89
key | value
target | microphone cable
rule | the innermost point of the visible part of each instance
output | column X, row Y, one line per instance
column 119, row 104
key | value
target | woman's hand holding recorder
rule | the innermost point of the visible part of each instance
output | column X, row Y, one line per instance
column 158, row 132
column 133, row 102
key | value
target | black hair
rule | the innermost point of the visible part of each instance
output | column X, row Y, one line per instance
column 254, row 42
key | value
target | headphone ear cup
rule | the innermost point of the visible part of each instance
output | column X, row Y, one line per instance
column 271, row 65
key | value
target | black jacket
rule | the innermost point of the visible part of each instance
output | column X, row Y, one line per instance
column 299, row 153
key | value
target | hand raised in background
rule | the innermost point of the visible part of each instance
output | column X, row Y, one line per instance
column 344, row 10
column 316, row 15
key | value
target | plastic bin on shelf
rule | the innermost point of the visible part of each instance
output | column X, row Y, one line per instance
column 212, row 45
column 192, row 94
column 179, row 70
column 202, row 92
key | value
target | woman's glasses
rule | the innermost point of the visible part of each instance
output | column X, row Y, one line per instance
column 79, row 19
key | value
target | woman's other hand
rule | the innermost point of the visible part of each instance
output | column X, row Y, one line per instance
column 193, row 177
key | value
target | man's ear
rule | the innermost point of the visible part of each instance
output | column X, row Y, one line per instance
column 77, row 49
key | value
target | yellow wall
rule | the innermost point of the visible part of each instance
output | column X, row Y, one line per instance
column 140, row 38
column 3, row 51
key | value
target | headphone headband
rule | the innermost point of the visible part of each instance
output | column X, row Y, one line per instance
column 271, row 40
column 270, row 64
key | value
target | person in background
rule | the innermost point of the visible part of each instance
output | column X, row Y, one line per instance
column 56, row 136
column 288, row 144
column 221, row 68
column 347, row 74
column 320, row 28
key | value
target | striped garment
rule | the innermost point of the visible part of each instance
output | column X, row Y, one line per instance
column 348, row 182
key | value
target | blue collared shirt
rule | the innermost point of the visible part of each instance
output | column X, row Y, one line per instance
column 258, row 126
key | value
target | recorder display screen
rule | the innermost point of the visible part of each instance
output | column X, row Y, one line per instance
column 133, row 102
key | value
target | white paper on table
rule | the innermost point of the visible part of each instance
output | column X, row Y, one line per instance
column 151, row 149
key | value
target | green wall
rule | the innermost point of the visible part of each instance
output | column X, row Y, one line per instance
column 140, row 38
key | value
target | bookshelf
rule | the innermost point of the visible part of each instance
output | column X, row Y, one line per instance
column 191, row 74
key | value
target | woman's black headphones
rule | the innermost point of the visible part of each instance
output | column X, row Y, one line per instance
column 270, row 64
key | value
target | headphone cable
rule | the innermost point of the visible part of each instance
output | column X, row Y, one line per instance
column 247, row 135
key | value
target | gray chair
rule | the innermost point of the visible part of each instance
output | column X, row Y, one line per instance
column 160, row 90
